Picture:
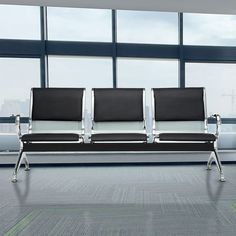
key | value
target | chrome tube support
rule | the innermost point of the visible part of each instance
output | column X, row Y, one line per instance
column 219, row 166
column 18, row 126
column 21, row 154
column 17, row 165
column 214, row 155
column 210, row 160
column 218, row 124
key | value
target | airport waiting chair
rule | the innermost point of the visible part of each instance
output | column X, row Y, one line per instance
column 56, row 117
column 118, row 115
column 180, row 117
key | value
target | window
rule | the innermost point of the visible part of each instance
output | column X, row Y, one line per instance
column 83, row 72
column 18, row 76
column 219, row 81
column 73, row 24
column 147, row 27
column 209, row 29
column 147, row 73
column 19, row 22
column 6, row 128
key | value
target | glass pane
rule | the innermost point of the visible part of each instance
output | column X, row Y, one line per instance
column 19, row 22
column 11, row 128
column 147, row 27
column 83, row 72
column 209, row 29
column 18, row 76
column 75, row 24
column 147, row 73
column 219, row 81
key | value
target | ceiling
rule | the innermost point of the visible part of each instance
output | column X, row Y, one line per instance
column 198, row 6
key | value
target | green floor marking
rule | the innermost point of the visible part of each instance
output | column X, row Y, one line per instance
column 233, row 207
column 22, row 224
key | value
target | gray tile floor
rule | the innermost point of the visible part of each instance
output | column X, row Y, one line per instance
column 121, row 200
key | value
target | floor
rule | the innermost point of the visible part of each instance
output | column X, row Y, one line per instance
column 120, row 200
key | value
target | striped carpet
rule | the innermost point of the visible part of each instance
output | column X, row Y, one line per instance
column 121, row 200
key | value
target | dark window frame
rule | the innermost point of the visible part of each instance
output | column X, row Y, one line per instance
column 43, row 48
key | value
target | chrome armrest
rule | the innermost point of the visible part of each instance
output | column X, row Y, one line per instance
column 18, row 126
column 218, row 124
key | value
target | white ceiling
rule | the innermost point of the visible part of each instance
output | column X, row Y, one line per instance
column 198, row 6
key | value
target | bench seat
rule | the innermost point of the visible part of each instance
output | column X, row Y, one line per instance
column 119, row 137
column 50, row 137
column 187, row 137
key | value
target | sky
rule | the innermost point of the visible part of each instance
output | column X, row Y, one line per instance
column 20, row 22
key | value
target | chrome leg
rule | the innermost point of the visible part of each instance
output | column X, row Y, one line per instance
column 209, row 162
column 17, row 166
column 219, row 166
column 27, row 167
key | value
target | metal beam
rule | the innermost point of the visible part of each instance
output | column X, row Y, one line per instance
column 181, row 53
column 114, row 48
column 21, row 48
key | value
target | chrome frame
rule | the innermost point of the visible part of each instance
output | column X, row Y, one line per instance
column 214, row 156
column 22, row 154
column 18, row 126
column 144, row 131
column 205, row 109
column 218, row 124
column 83, row 114
column 92, row 110
column 144, row 112
column 30, row 111
column 153, row 113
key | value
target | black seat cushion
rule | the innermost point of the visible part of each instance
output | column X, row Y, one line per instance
column 118, row 137
column 187, row 137
column 118, row 104
column 57, row 104
column 47, row 137
column 179, row 104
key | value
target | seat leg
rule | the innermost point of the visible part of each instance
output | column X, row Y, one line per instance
column 219, row 166
column 209, row 162
column 17, row 166
column 27, row 167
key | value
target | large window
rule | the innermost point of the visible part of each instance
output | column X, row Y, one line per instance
column 209, row 29
column 147, row 73
column 19, row 22
column 146, row 51
column 18, row 76
column 147, row 27
column 73, row 24
column 83, row 72
column 220, row 83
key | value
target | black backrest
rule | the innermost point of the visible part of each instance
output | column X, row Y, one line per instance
column 179, row 104
column 58, row 104
column 118, row 104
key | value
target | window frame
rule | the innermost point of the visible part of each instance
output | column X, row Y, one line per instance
column 43, row 47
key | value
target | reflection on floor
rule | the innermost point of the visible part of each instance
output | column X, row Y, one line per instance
column 121, row 200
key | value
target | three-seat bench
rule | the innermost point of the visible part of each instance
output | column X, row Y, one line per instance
column 179, row 118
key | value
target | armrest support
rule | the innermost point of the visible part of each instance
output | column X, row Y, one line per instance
column 18, row 126
column 218, row 124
